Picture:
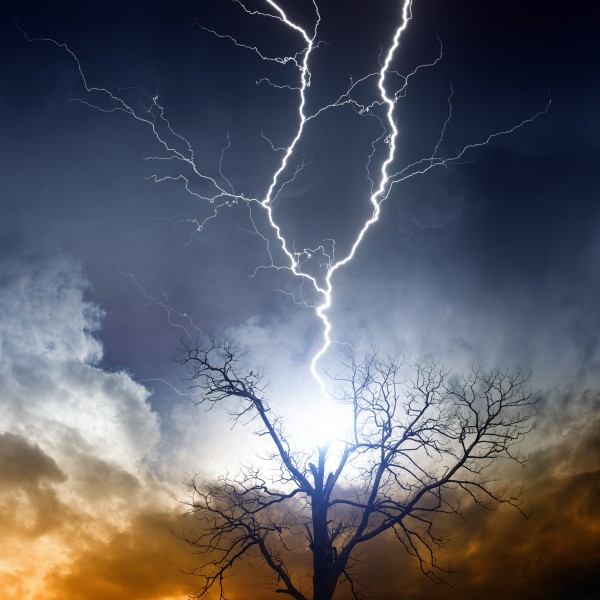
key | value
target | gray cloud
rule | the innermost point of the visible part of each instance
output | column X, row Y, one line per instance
column 22, row 462
column 53, row 384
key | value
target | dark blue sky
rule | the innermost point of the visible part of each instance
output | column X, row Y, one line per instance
column 522, row 213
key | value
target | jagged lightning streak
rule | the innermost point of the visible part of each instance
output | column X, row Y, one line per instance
column 223, row 194
column 326, row 290
column 375, row 198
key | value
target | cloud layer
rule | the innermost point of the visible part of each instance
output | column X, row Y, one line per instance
column 78, row 498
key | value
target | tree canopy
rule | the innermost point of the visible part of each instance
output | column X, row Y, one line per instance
column 421, row 440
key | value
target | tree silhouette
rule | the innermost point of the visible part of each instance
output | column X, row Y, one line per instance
column 417, row 445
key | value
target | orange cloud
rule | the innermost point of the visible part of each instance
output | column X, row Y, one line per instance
column 54, row 550
column 83, row 517
column 143, row 561
column 555, row 554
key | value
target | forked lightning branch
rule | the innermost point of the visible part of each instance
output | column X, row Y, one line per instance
column 389, row 90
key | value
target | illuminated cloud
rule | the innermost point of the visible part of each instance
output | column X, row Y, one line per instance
column 54, row 388
column 78, row 451
column 76, row 447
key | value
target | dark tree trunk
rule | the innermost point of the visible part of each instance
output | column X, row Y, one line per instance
column 324, row 575
column 324, row 580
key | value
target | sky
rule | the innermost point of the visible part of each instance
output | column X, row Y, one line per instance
column 492, row 259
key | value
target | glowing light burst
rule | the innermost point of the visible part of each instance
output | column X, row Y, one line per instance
column 178, row 149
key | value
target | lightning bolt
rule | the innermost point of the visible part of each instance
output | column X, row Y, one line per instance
column 220, row 193
column 175, row 318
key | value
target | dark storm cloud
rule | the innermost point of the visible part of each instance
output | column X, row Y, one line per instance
column 29, row 503
column 22, row 462
column 552, row 230
column 99, row 207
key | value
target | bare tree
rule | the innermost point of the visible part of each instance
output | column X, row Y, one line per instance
column 417, row 444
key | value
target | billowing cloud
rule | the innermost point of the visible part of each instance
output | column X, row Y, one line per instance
column 495, row 554
column 53, row 386
column 77, row 445
column 29, row 503
column 144, row 560
column 83, row 515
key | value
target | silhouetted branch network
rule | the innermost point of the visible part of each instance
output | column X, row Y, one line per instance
column 421, row 439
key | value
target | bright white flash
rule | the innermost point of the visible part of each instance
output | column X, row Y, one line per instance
column 177, row 148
